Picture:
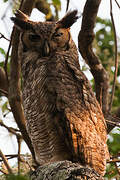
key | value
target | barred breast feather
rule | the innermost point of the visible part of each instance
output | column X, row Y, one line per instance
column 63, row 117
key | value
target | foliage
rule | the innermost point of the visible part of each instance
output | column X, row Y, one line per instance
column 16, row 177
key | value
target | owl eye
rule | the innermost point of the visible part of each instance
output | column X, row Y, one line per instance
column 34, row 37
column 58, row 34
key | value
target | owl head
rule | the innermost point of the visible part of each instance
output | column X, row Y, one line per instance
column 45, row 37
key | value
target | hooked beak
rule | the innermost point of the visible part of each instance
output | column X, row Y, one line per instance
column 46, row 48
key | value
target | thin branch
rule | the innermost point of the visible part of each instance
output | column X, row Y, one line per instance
column 2, row 36
column 113, row 123
column 26, row 162
column 4, row 92
column 116, row 58
column 10, row 129
column 3, row 171
column 68, row 2
column 117, row 3
column 11, row 156
column 5, row 162
column 113, row 161
column 19, row 150
column 6, row 61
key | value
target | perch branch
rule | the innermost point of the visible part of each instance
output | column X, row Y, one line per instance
column 85, row 40
column 116, row 59
column 14, row 83
column 5, row 162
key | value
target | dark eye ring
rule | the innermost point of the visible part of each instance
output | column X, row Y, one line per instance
column 58, row 34
column 34, row 37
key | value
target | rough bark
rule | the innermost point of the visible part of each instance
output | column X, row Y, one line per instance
column 64, row 170
column 86, row 37
column 14, row 82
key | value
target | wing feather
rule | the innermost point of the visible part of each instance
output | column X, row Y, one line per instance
column 81, row 121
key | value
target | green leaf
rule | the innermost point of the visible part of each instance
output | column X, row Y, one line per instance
column 114, row 145
column 2, row 64
column 2, row 51
column 5, row 0
column 5, row 106
column 111, row 171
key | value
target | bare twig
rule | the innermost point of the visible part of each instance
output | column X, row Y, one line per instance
column 5, row 162
column 68, row 2
column 11, row 156
column 6, row 61
column 113, row 161
column 117, row 3
column 11, row 129
column 4, row 92
column 116, row 58
column 3, row 171
column 2, row 36
column 19, row 150
column 113, row 123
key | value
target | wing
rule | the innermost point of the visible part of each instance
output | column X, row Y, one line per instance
column 81, row 122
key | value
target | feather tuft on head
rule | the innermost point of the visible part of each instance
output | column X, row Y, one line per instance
column 69, row 19
column 21, row 21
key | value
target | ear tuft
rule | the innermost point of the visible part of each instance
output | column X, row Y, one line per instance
column 20, row 15
column 69, row 19
column 21, row 21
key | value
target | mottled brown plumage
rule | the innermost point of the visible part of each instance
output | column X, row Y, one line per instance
column 63, row 117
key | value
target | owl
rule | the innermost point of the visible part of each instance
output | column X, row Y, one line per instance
column 63, row 118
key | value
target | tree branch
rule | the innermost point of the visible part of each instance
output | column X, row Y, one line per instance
column 14, row 83
column 44, row 7
column 64, row 170
column 11, row 130
column 85, row 40
column 2, row 36
column 3, row 82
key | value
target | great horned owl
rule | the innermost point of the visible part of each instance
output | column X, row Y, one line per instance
column 63, row 117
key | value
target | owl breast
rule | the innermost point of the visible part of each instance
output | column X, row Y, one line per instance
column 40, row 110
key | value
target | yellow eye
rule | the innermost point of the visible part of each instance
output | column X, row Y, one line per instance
column 34, row 37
